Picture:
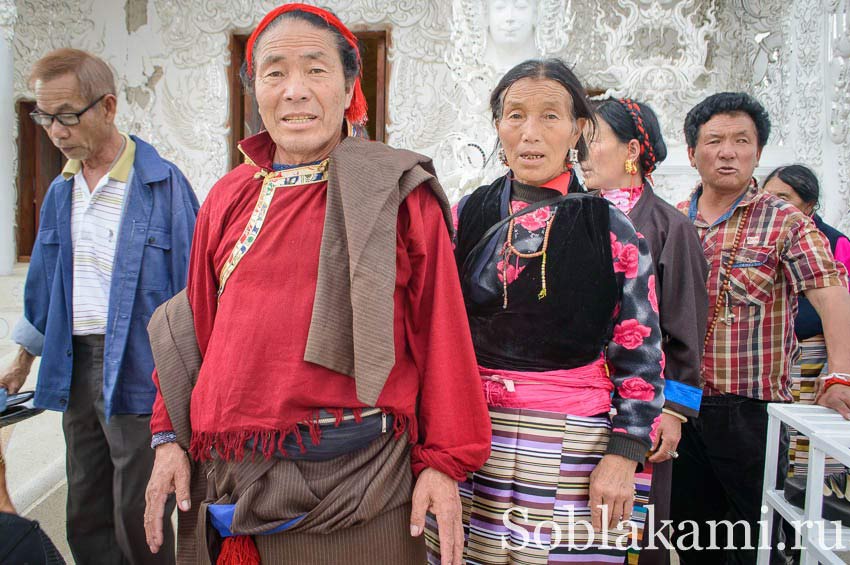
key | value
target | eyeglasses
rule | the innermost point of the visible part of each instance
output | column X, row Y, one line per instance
column 65, row 118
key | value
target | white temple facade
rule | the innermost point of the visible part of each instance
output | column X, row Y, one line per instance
column 172, row 59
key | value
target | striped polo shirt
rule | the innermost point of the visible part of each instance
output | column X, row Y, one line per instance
column 95, row 221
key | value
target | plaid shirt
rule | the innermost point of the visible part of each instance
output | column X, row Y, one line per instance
column 781, row 254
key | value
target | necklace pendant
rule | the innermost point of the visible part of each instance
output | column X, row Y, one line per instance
column 542, row 294
column 729, row 318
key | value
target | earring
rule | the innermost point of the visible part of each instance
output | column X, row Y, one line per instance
column 503, row 158
column 631, row 167
column 572, row 156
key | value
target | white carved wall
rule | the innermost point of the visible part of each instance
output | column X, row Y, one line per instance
column 794, row 56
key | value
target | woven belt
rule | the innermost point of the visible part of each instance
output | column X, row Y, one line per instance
column 347, row 416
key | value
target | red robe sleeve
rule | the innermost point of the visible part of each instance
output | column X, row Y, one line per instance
column 202, row 289
column 453, row 421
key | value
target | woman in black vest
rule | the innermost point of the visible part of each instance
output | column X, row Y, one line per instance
column 624, row 152
column 564, row 321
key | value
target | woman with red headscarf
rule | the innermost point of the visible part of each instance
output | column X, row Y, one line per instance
column 624, row 151
column 335, row 372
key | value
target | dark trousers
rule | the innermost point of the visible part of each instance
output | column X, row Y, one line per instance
column 719, row 476
column 108, row 466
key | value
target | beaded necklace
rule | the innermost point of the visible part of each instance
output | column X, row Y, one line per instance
column 289, row 178
column 727, row 282
column 509, row 250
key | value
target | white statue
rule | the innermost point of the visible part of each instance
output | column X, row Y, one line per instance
column 510, row 33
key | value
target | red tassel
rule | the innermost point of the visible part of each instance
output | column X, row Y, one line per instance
column 356, row 112
column 238, row 550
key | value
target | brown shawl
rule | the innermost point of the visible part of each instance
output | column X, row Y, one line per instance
column 351, row 330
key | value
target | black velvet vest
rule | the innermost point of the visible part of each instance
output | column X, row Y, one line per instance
column 567, row 328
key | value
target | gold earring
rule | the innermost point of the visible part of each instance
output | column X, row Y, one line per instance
column 631, row 167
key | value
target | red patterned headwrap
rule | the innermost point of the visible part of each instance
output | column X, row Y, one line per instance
column 648, row 159
column 356, row 112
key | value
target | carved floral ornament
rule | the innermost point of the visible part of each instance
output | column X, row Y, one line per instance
column 657, row 51
column 8, row 15
column 839, row 69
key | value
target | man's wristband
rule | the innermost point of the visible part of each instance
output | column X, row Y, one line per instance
column 161, row 438
column 834, row 379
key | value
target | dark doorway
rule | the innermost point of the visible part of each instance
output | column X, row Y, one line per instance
column 245, row 117
column 39, row 161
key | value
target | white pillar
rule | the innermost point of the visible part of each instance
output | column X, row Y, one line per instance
column 8, row 15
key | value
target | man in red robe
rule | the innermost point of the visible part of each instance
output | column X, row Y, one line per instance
column 336, row 368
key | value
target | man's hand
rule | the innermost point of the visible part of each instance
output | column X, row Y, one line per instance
column 612, row 483
column 667, row 438
column 171, row 473
column 437, row 493
column 14, row 377
column 836, row 397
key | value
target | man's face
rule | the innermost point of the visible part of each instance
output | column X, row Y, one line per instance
column 726, row 152
column 301, row 90
column 81, row 141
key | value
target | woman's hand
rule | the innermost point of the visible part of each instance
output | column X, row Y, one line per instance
column 612, row 483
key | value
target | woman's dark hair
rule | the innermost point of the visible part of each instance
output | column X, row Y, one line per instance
column 553, row 69
column 623, row 125
column 727, row 103
column 347, row 53
column 801, row 178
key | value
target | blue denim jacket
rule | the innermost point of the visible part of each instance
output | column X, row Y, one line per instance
column 151, row 264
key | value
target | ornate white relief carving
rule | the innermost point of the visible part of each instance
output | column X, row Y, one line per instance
column 839, row 117
column 752, row 54
column 657, row 52
column 8, row 15
column 808, row 108
column 667, row 52
column 839, row 68
column 50, row 24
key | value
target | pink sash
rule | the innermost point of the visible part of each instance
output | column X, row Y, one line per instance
column 583, row 391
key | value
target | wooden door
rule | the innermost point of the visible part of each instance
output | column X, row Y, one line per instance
column 39, row 162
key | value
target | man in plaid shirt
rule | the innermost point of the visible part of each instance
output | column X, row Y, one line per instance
column 762, row 252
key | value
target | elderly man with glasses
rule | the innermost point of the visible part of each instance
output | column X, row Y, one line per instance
column 112, row 245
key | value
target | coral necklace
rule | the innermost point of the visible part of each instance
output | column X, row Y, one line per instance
column 509, row 250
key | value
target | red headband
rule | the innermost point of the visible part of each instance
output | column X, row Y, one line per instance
column 356, row 112
column 647, row 153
